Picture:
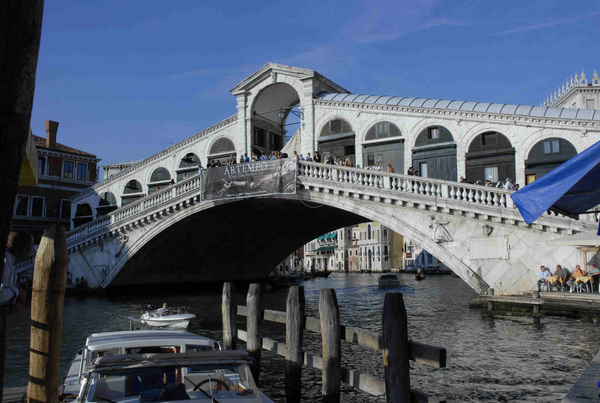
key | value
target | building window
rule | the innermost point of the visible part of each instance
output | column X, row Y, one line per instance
column 22, row 205
column 589, row 104
column 490, row 174
column 423, row 169
column 37, row 206
column 434, row 133
column 82, row 171
column 551, row 146
column 530, row 178
column 385, row 234
column 41, row 166
column 65, row 208
column 68, row 169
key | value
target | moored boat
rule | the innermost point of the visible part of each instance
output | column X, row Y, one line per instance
column 389, row 280
column 210, row 376
column 131, row 342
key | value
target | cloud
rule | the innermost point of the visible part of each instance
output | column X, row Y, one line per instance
column 542, row 25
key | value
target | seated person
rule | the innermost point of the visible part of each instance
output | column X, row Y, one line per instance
column 163, row 310
column 578, row 272
column 561, row 275
column 543, row 274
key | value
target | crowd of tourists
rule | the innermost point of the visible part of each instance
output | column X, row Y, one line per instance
column 507, row 184
column 564, row 280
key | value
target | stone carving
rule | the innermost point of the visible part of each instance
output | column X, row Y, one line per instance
column 123, row 239
column 487, row 229
column 440, row 233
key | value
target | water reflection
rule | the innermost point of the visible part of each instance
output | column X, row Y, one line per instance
column 488, row 358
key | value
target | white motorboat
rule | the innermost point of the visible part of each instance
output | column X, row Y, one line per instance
column 389, row 280
column 209, row 376
column 131, row 342
column 176, row 317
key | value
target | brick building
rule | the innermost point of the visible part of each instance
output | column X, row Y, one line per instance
column 62, row 172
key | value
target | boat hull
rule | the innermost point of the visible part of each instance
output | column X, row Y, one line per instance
column 180, row 321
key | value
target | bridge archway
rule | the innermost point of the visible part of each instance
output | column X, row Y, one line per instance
column 383, row 143
column 179, row 245
column 490, row 156
column 160, row 177
column 269, row 112
column 83, row 214
column 106, row 204
column 222, row 150
column 546, row 155
column 189, row 166
column 131, row 192
column 337, row 139
column 435, row 148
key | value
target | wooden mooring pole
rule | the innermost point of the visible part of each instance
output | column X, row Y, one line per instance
column 331, row 344
column 254, row 343
column 47, row 300
column 294, row 330
column 396, row 349
column 228, row 313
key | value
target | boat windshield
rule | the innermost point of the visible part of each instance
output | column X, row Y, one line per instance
column 151, row 384
column 389, row 277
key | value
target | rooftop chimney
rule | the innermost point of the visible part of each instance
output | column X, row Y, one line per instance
column 51, row 129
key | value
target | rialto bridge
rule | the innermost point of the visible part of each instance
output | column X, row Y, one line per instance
column 148, row 224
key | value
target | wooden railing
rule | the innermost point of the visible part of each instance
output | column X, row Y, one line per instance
column 394, row 344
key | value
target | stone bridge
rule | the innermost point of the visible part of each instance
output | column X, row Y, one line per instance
column 173, row 236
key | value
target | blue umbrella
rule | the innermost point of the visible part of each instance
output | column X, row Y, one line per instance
column 570, row 189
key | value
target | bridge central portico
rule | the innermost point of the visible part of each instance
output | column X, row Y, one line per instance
column 152, row 211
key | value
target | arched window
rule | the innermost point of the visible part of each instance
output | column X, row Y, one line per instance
column 160, row 179
column 83, row 214
column 106, row 204
column 188, row 167
column 222, row 146
column 434, row 154
column 132, row 191
column 490, row 157
column 546, row 155
column 336, row 126
column 382, row 130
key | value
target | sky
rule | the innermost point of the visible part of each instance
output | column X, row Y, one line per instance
column 126, row 79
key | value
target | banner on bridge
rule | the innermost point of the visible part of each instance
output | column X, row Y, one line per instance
column 250, row 179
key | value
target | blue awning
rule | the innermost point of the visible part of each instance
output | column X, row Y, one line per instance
column 570, row 189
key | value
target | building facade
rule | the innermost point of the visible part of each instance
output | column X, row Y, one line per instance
column 62, row 172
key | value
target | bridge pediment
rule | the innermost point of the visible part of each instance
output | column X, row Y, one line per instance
column 273, row 72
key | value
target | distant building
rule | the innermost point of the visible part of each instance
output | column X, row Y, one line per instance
column 113, row 169
column 63, row 171
column 577, row 92
column 368, row 247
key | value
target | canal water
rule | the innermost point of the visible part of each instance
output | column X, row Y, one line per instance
column 497, row 359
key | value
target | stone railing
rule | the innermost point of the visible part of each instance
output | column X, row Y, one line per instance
column 360, row 180
column 171, row 194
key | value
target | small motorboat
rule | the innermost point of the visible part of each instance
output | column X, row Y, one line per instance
column 389, row 280
column 171, row 317
column 130, row 342
column 420, row 274
column 207, row 376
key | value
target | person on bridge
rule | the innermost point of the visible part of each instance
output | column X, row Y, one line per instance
column 19, row 245
column 508, row 185
column 317, row 157
column 543, row 274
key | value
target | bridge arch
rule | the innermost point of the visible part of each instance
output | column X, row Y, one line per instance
column 187, row 166
column 83, row 214
column 547, row 154
column 434, row 148
column 221, row 149
column 490, row 156
column 132, row 191
column 349, row 214
column 107, row 203
column 269, row 110
column 383, row 142
column 159, row 178
column 336, row 137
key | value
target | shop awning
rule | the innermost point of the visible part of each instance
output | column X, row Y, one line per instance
column 325, row 249
column 570, row 189
column 330, row 235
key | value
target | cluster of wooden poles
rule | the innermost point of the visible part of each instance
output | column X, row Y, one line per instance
column 397, row 349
